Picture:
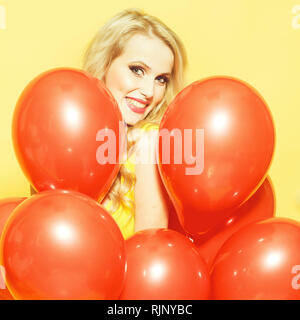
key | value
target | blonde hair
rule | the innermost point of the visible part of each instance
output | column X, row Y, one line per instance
column 107, row 45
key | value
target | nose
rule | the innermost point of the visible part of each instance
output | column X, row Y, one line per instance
column 147, row 88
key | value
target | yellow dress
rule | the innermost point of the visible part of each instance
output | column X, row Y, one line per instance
column 123, row 216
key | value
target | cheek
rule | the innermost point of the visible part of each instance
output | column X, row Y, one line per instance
column 160, row 93
column 119, row 82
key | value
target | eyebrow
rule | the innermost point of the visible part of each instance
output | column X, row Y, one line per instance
column 147, row 67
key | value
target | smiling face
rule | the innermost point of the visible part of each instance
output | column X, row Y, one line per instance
column 138, row 77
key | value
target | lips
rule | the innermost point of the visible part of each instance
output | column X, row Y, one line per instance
column 136, row 105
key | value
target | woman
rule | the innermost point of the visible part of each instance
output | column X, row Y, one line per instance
column 141, row 61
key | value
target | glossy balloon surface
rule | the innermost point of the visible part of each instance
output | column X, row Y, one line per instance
column 260, row 206
column 221, row 148
column 259, row 262
column 62, row 245
column 163, row 264
column 61, row 120
column 7, row 206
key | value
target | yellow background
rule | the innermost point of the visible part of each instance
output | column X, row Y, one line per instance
column 255, row 40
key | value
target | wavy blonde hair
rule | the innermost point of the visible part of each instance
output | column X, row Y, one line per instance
column 107, row 45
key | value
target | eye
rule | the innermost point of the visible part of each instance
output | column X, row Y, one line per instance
column 138, row 70
column 164, row 80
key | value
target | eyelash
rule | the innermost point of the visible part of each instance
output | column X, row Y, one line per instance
column 135, row 69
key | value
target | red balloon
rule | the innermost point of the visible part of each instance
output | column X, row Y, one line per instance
column 259, row 262
column 62, row 245
column 6, row 207
column 174, row 223
column 164, row 265
column 57, row 120
column 260, row 206
column 227, row 137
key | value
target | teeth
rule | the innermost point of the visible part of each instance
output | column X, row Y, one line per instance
column 136, row 103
